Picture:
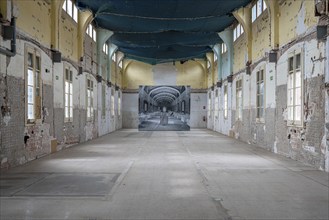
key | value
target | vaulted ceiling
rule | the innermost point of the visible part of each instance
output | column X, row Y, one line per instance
column 157, row 31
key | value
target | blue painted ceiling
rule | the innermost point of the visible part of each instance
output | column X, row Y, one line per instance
column 157, row 31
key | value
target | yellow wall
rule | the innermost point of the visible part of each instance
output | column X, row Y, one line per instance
column 293, row 16
column 68, row 34
column 34, row 18
column 136, row 74
column 89, row 53
column 240, row 53
column 191, row 73
column 261, row 36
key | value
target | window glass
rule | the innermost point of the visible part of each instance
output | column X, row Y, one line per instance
column 69, row 7
column 64, row 5
column 254, row 13
column 75, row 13
column 259, row 8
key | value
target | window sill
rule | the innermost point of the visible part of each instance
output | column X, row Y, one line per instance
column 260, row 121
column 32, row 123
column 295, row 125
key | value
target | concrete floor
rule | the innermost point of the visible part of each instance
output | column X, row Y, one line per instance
column 164, row 175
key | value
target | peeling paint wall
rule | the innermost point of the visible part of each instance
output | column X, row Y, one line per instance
column 261, row 28
column 34, row 19
column 307, row 143
column 21, row 142
column 297, row 17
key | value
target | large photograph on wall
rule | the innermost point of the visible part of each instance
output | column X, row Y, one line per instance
column 164, row 108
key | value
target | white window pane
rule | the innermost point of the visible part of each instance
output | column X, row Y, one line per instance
column 254, row 13
column 238, row 31
column 264, row 5
column 30, row 111
column 69, row 7
column 259, row 7
column 66, row 100
column 90, row 28
column 298, row 96
column 30, row 94
column 298, row 111
column 75, row 13
column 71, row 112
column 66, row 112
column 64, row 5
column 298, row 79
column 241, row 29
column 88, row 112
column 71, row 88
column 71, row 100
column 94, row 35
column 30, row 77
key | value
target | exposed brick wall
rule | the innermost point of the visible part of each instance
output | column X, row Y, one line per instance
column 12, row 131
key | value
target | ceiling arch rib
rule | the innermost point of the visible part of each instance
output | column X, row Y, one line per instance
column 164, row 94
column 166, row 97
column 164, row 88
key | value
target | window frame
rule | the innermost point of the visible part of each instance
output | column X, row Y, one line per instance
column 238, row 31
column 91, row 32
column 293, row 122
column 119, row 103
column 209, row 104
column 239, row 108
column 68, row 119
column 112, row 103
column 223, row 48
column 90, row 99
column 103, row 100
column 260, row 80
column 106, row 48
column 216, row 103
column 257, row 9
column 37, row 80
column 225, row 100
